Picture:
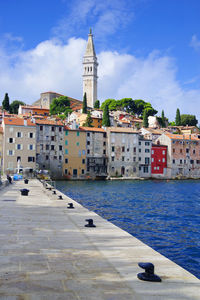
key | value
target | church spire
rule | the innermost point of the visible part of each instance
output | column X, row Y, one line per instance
column 90, row 50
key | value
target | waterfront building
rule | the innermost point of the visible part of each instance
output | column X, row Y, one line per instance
column 1, row 148
column 183, row 156
column 90, row 65
column 123, row 154
column 19, row 145
column 31, row 110
column 74, row 162
column 50, row 146
column 158, row 161
column 144, row 157
column 96, row 156
column 151, row 133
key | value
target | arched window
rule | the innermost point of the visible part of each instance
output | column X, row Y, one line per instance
column 91, row 69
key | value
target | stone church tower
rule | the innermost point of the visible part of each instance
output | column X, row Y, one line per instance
column 90, row 72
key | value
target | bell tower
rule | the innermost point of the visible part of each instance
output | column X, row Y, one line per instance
column 90, row 65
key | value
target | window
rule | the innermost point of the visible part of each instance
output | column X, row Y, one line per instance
column 146, row 169
column 140, row 150
column 30, row 147
column 134, row 169
column 82, row 171
column 52, row 147
column 123, row 149
column 181, row 150
column 10, row 140
column 158, row 168
column 139, row 158
column 47, row 157
column 55, row 157
column 18, row 158
column 88, row 142
column 88, row 151
column 19, row 134
column 193, row 151
column 187, row 150
column 113, row 149
column 77, row 144
column 66, row 151
column 198, row 161
column 173, row 150
column 163, row 160
column 83, row 161
column 60, row 129
column 104, row 151
column 41, row 128
column 31, row 159
column 152, row 151
column 60, row 148
column 134, row 149
column 83, row 152
column 147, row 150
column 163, row 152
column 60, row 157
column 66, row 142
column 88, row 134
column 104, row 143
column 77, row 133
column 10, row 152
column 146, row 160
column 18, row 146
column 152, row 160
column 147, row 143
column 134, row 158
column 66, row 132
column 47, row 147
column 122, row 158
column 180, row 161
column 113, row 158
column 66, row 171
column 52, row 128
column 30, row 135
column 53, row 138
column 173, row 161
column 104, row 135
column 139, row 143
column 66, row 160
column 173, row 142
column 191, row 161
column 127, row 150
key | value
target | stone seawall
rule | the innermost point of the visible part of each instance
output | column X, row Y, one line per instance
column 48, row 253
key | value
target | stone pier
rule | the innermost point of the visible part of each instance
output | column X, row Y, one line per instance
column 46, row 252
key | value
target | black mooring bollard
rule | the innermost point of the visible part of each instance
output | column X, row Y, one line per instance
column 70, row 205
column 60, row 197
column 54, row 193
column 148, row 275
column 90, row 223
column 24, row 192
column 26, row 181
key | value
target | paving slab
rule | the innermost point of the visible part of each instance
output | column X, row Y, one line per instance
column 47, row 253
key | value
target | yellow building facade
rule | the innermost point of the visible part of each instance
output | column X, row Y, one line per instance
column 74, row 164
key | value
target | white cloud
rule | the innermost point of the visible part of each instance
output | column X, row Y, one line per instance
column 195, row 43
column 58, row 67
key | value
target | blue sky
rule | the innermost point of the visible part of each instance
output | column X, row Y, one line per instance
column 148, row 49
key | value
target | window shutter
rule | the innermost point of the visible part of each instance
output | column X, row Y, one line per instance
column 21, row 146
column 21, row 134
column 34, row 147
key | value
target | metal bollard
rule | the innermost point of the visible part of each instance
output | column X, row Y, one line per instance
column 90, row 223
column 148, row 275
column 70, row 205
column 60, row 197
column 54, row 193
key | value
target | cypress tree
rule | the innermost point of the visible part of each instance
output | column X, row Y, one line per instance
column 89, row 121
column 178, row 117
column 97, row 104
column 163, row 119
column 106, row 119
column 145, row 119
column 5, row 103
column 84, row 108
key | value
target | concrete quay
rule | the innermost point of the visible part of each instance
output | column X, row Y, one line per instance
column 47, row 253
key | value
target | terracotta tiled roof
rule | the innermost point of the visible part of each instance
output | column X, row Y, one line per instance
column 121, row 129
column 34, row 107
column 192, row 137
column 17, row 121
column 49, row 122
column 52, row 93
column 92, row 129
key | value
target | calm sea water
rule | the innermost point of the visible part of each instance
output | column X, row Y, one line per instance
column 164, row 215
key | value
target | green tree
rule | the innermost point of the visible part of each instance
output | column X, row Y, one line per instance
column 126, row 104
column 14, row 106
column 189, row 120
column 84, row 107
column 106, row 119
column 5, row 103
column 89, row 121
column 97, row 104
column 145, row 119
column 60, row 105
column 112, row 104
column 178, row 117
column 163, row 119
